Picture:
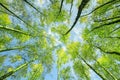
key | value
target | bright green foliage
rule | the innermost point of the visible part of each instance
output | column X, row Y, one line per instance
column 33, row 44
column 104, row 60
column 87, row 51
column 73, row 49
column 62, row 57
column 4, row 18
column 61, row 29
column 68, row 1
column 65, row 74
column 81, row 70
column 2, row 58
column 15, row 58
column 84, row 19
column 36, row 72
column 4, row 40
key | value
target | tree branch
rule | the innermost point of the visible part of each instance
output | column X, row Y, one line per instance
column 108, row 52
column 14, row 14
column 6, row 75
column 99, row 7
column 9, row 49
column 12, row 72
column 61, row 6
column 71, row 7
column 112, row 22
column 81, row 6
column 92, row 68
column 60, row 9
column 106, row 70
column 5, row 12
column 107, row 19
column 113, row 37
column 115, row 29
column 33, row 6
column 14, row 30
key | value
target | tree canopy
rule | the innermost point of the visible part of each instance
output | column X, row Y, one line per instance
column 59, row 39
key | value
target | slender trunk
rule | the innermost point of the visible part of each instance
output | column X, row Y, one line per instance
column 13, row 30
column 100, row 7
column 106, row 70
column 61, row 5
column 113, row 37
column 14, row 14
column 33, row 6
column 107, row 19
column 1, row 11
column 81, row 6
column 115, row 30
column 92, row 68
column 12, row 72
column 112, row 22
column 108, row 52
column 71, row 7
column 10, row 49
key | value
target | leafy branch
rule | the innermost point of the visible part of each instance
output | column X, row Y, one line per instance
column 99, row 7
column 61, row 5
column 113, row 37
column 13, row 71
column 109, row 23
column 71, row 7
column 115, row 29
column 81, row 6
column 33, row 6
column 106, row 70
column 14, row 30
column 92, row 68
column 14, row 14
column 107, row 19
column 108, row 52
column 9, row 49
